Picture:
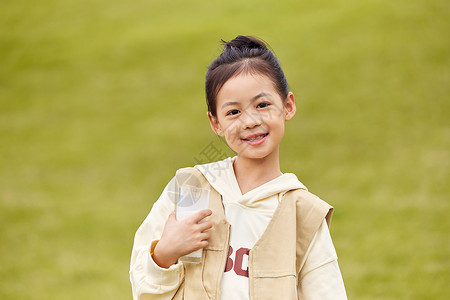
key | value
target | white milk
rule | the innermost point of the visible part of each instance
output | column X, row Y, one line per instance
column 189, row 201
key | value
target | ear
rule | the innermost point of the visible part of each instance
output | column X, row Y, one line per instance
column 215, row 126
column 289, row 107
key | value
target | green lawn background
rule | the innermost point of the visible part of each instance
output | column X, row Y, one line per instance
column 101, row 101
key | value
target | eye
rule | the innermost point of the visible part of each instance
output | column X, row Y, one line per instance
column 232, row 112
column 262, row 105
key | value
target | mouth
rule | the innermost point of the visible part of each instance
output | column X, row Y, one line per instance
column 256, row 139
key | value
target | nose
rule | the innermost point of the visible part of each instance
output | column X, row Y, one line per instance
column 250, row 119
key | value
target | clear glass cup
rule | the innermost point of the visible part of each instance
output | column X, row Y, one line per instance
column 189, row 201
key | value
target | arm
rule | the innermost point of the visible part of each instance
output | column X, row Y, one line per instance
column 155, row 272
column 148, row 280
column 320, row 277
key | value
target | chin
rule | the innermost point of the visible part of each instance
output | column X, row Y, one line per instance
column 254, row 155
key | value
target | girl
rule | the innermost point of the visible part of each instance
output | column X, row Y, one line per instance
column 265, row 236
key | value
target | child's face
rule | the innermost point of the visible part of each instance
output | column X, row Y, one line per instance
column 251, row 115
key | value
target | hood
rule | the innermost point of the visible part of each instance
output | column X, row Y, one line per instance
column 222, row 178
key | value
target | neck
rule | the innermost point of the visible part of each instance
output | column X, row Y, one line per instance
column 251, row 173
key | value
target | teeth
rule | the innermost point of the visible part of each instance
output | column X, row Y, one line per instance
column 256, row 138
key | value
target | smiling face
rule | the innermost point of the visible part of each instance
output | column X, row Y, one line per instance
column 251, row 115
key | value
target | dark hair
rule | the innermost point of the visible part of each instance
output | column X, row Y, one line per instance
column 243, row 54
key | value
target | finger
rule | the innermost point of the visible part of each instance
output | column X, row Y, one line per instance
column 202, row 226
column 204, row 236
column 198, row 216
column 203, row 244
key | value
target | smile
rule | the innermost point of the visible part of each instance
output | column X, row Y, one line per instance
column 256, row 139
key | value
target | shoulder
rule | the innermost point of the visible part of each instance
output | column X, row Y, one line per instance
column 304, row 197
column 310, row 206
column 191, row 176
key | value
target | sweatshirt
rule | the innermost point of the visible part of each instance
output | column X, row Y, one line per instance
column 248, row 214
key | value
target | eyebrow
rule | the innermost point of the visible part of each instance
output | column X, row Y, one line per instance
column 229, row 103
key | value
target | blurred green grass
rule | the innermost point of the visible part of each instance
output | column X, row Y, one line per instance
column 101, row 101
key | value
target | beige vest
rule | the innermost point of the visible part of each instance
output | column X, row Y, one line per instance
column 274, row 261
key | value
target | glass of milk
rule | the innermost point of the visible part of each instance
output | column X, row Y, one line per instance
column 189, row 201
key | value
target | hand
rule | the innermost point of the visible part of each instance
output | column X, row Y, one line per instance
column 182, row 237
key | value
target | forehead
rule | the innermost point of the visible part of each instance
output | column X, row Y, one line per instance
column 244, row 87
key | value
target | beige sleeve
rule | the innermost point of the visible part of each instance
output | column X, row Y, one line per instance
column 148, row 280
column 320, row 277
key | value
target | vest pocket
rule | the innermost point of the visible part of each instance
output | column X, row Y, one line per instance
column 202, row 281
column 212, row 270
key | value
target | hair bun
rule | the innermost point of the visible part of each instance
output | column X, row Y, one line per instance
column 245, row 42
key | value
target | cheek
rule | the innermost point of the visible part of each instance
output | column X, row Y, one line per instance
column 281, row 131
column 229, row 128
column 278, row 126
column 232, row 133
column 232, row 136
